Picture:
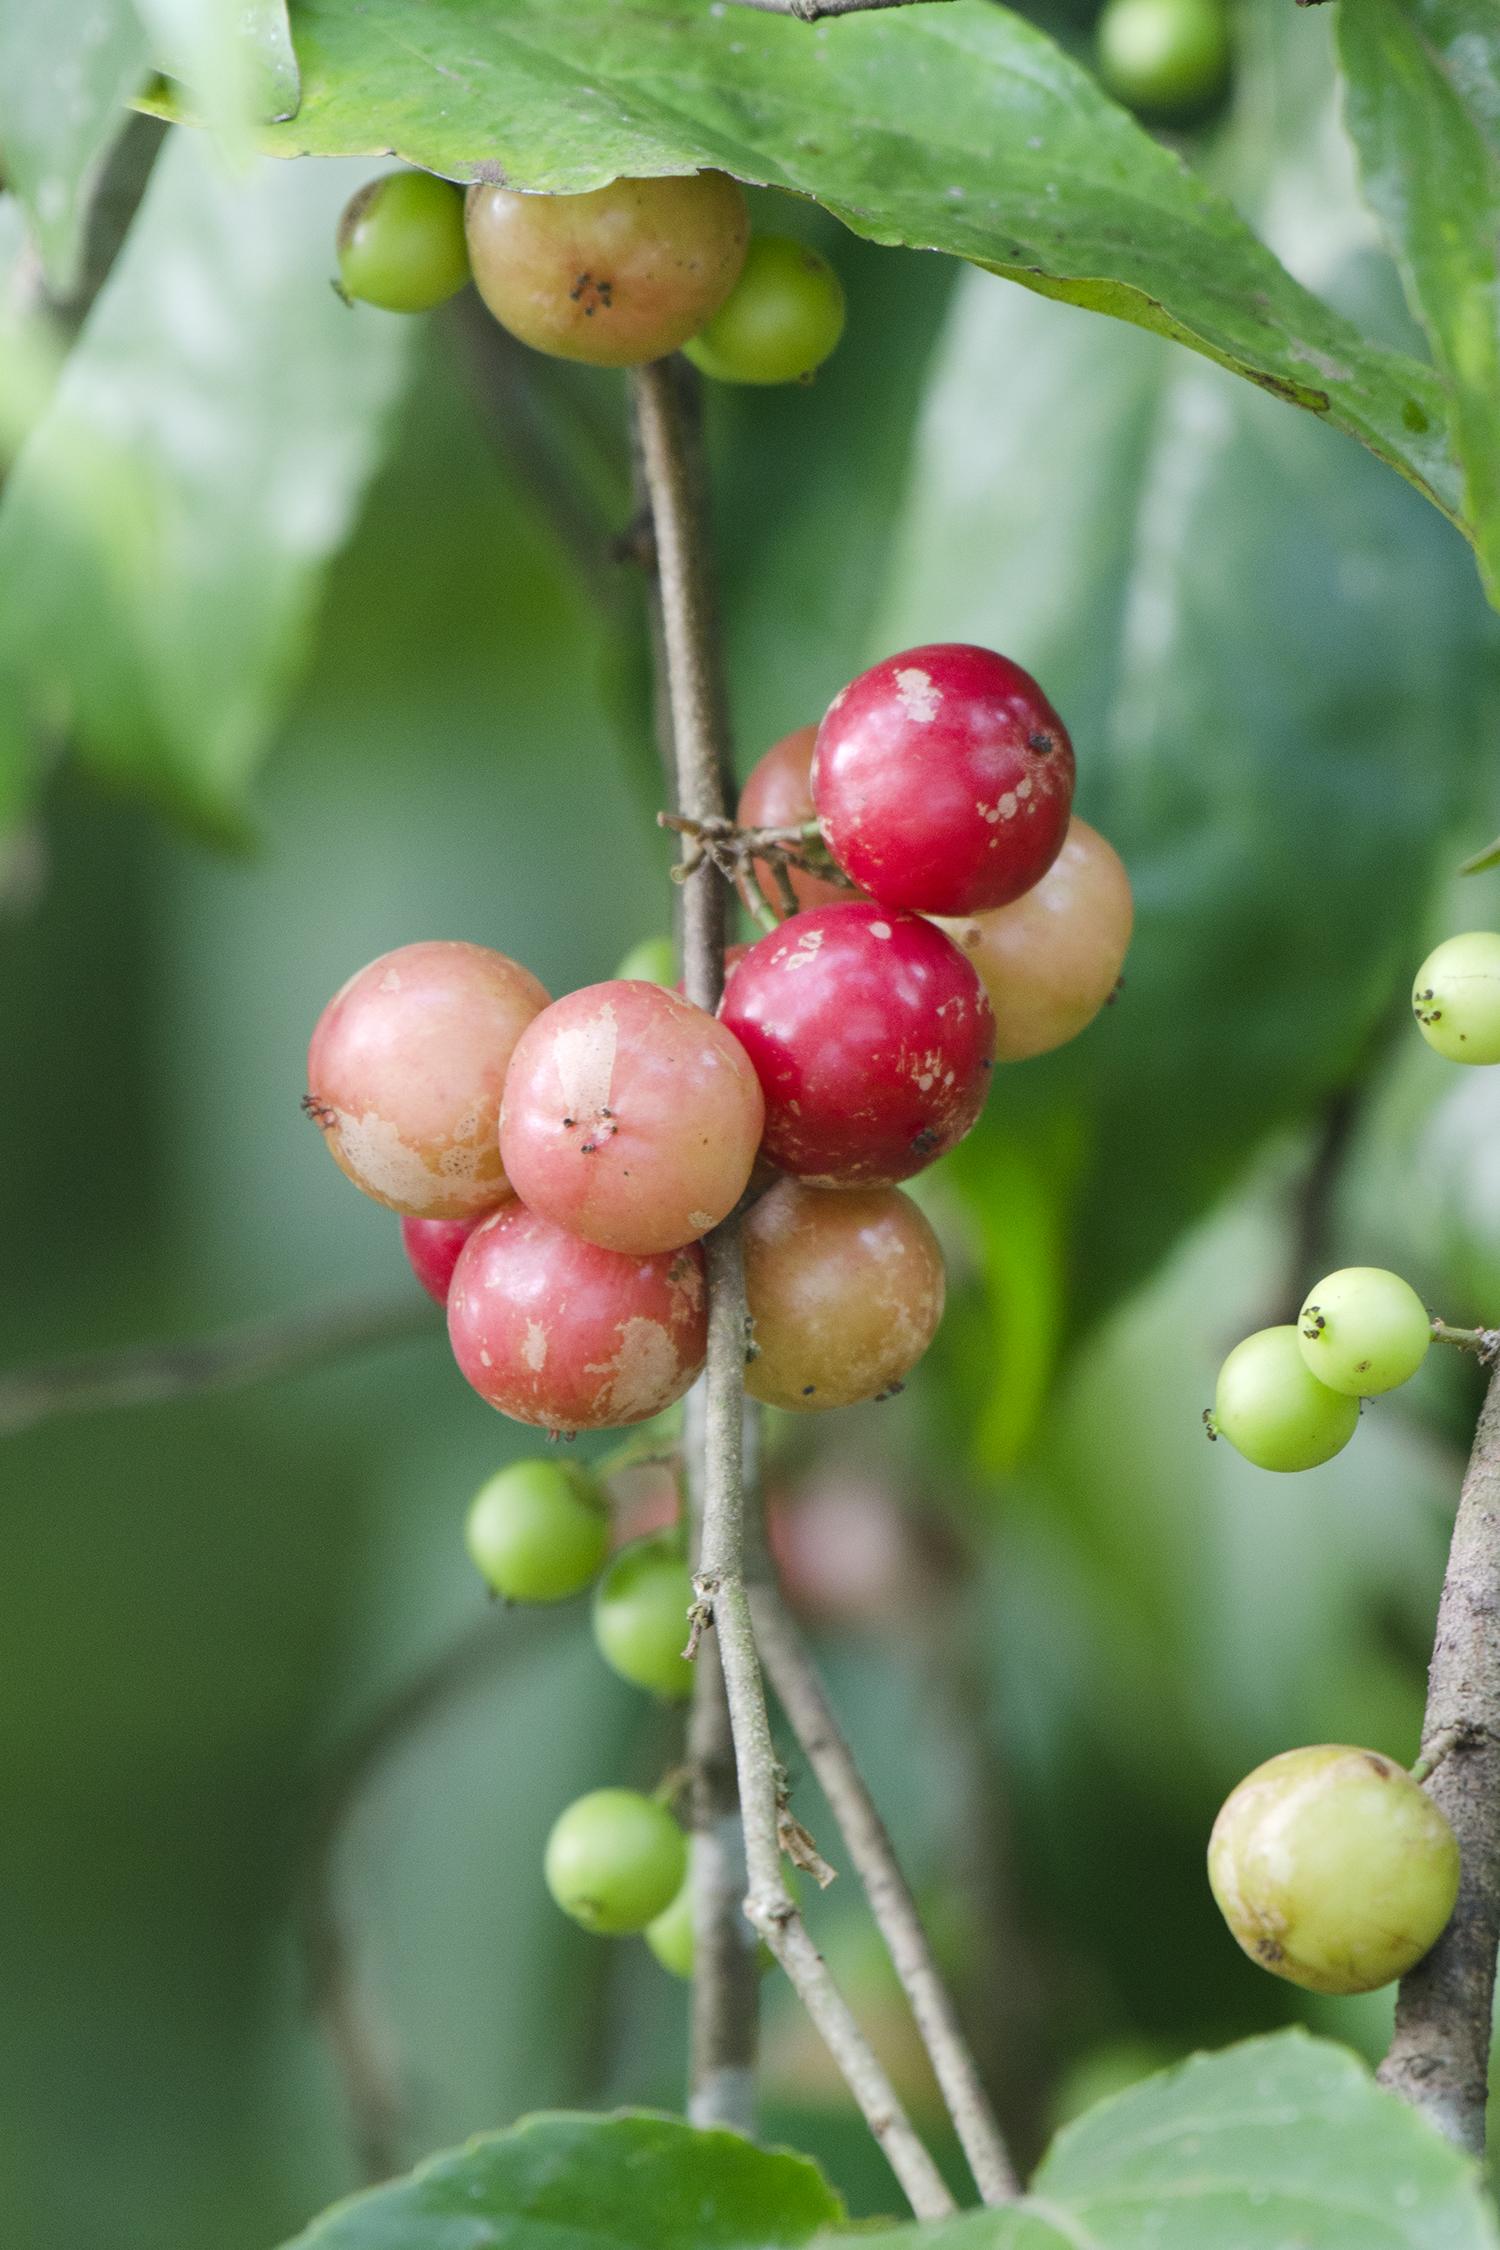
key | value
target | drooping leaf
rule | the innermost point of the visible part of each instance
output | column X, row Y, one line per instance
column 164, row 531
column 960, row 128
column 1424, row 108
column 234, row 56
column 66, row 74
column 1279, row 2141
column 631, row 2182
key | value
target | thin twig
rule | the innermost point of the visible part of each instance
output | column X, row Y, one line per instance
column 1439, row 2057
column 794, row 1678
column 1484, row 1343
column 812, row 11
column 160, row 1374
column 685, row 581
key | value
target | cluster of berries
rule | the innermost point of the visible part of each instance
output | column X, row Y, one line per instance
column 615, row 277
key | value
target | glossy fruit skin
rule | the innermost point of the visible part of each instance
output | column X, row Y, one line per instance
column 615, row 277
column 641, row 1609
column 432, row 1247
column 1363, row 1330
column 781, row 320
column 778, row 794
column 845, row 1287
column 615, row 1860
column 1051, row 959
column 652, row 961
column 630, row 1117
column 406, row 1069
column 1456, row 998
column 556, row 1332
column 1273, row 1411
column 1168, row 59
column 872, row 1038
column 943, row 780
column 538, row 1531
column 401, row 242
column 1333, row 1868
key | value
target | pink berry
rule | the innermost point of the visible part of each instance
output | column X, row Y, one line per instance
column 432, row 1247
column 872, row 1039
column 943, row 780
column 778, row 794
column 630, row 1117
column 555, row 1331
column 405, row 1073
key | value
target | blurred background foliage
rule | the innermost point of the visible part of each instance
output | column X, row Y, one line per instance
column 334, row 596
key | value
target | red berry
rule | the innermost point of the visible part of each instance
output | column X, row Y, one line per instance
column 778, row 794
column 630, row 1117
column 872, row 1039
column 405, row 1072
column 943, row 780
column 432, row 1247
column 554, row 1331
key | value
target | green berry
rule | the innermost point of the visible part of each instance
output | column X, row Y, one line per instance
column 401, row 242
column 653, row 961
column 670, row 1936
column 780, row 321
column 1273, row 1411
column 641, row 1616
column 1333, row 1868
column 539, row 1531
column 1363, row 1331
column 615, row 1860
column 1456, row 998
column 1166, row 58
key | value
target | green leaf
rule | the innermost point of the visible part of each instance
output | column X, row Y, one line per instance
column 66, row 74
column 235, row 55
column 1424, row 108
column 1489, row 857
column 959, row 128
column 632, row 2182
column 164, row 531
column 1280, row 2142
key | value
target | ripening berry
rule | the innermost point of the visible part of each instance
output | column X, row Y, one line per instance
column 432, row 1247
column 1333, row 1868
column 630, row 1117
column 1169, row 59
column 943, row 780
column 641, row 1609
column 845, row 1288
column 1050, row 960
column 617, row 276
column 778, row 794
column 780, row 321
column 556, row 1332
column 1456, row 998
column 872, row 1038
column 538, row 1531
column 615, row 1860
column 405, row 1073
column 653, row 961
column 401, row 242
column 1363, row 1331
column 1273, row 1411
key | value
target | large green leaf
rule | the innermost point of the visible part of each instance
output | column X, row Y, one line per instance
column 65, row 77
column 235, row 55
column 1424, row 107
column 164, row 530
column 1279, row 2142
column 960, row 128
column 591, row 2183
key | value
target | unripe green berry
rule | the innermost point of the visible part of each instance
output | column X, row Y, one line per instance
column 1273, row 1411
column 538, row 1531
column 641, row 1616
column 615, row 1860
column 401, row 242
column 1363, row 1331
column 1456, row 998
column 653, row 961
column 1167, row 58
column 1333, row 1868
column 780, row 321
column 670, row 1936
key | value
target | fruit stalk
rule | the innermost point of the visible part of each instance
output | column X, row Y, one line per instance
column 689, row 642
column 1439, row 2055
column 813, row 11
